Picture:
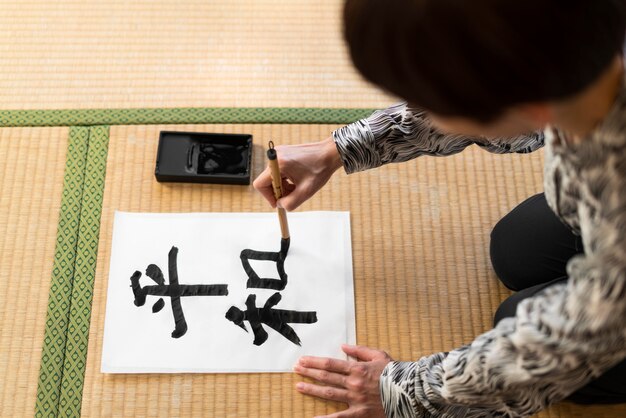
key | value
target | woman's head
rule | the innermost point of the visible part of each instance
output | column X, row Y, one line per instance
column 476, row 59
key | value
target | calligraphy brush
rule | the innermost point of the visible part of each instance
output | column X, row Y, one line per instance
column 277, row 185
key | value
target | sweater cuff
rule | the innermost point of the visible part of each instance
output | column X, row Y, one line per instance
column 397, row 390
column 356, row 146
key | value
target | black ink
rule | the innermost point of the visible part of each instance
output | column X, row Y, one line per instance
column 154, row 272
column 219, row 158
column 158, row 305
column 174, row 290
column 278, row 319
column 284, row 246
column 279, row 258
column 180, row 327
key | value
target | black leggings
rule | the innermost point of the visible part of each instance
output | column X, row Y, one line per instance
column 529, row 250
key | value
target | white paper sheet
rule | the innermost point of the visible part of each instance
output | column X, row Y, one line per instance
column 318, row 266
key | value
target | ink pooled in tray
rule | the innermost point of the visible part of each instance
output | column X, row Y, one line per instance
column 195, row 157
column 218, row 159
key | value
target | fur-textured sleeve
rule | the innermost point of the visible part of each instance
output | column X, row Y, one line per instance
column 561, row 338
column 401, row 133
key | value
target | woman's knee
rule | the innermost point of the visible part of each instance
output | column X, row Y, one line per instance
column 503, row 253
column 514, row 247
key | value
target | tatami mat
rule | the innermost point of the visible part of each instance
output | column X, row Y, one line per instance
column 420, row 230
column 423, row 282
column 32, row 162
column 189, row 53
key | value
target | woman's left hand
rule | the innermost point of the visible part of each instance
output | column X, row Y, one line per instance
column 351, row 382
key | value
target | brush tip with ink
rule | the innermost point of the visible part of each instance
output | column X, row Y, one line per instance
column 284, row 246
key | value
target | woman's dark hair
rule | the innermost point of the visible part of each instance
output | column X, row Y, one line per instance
column 475, row 58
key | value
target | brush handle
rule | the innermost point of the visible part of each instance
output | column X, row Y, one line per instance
column 277, row 185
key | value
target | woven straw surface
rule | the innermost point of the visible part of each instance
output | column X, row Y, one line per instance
column 423, row 282
column 161, row 53
column 420, row 230
column 32, row 161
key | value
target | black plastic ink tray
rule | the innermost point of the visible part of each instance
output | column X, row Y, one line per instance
column 194, row 157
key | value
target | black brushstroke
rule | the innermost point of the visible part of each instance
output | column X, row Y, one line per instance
column 278, row 319
column 174, row 290
column 140, row 298
column 278, row 257
column 284, row 246
column 186, row 290
column 154, row 272
column 159, row 304
column 179, row 317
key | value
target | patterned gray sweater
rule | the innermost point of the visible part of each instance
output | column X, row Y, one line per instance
column 563, row 337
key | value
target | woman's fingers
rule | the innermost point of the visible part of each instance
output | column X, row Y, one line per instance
column 364, row 353
column 353, row 382
column 325, row 392
column 308, row 167
column 293, row 194
column 263, row 184
column 323, row 376
column 325, row 363
column 299, row 194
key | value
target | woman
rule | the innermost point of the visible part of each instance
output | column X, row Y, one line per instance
column 508, row 76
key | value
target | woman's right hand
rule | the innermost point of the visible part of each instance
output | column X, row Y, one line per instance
column 304, row 170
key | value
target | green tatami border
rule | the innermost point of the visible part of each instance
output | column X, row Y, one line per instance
column 75, row 360
column 66, row 334
column 171, row 116
column 63, row 269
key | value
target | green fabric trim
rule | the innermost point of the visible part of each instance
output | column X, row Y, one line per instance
column 84, row 274
column 89, row 117
column 57, row 319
